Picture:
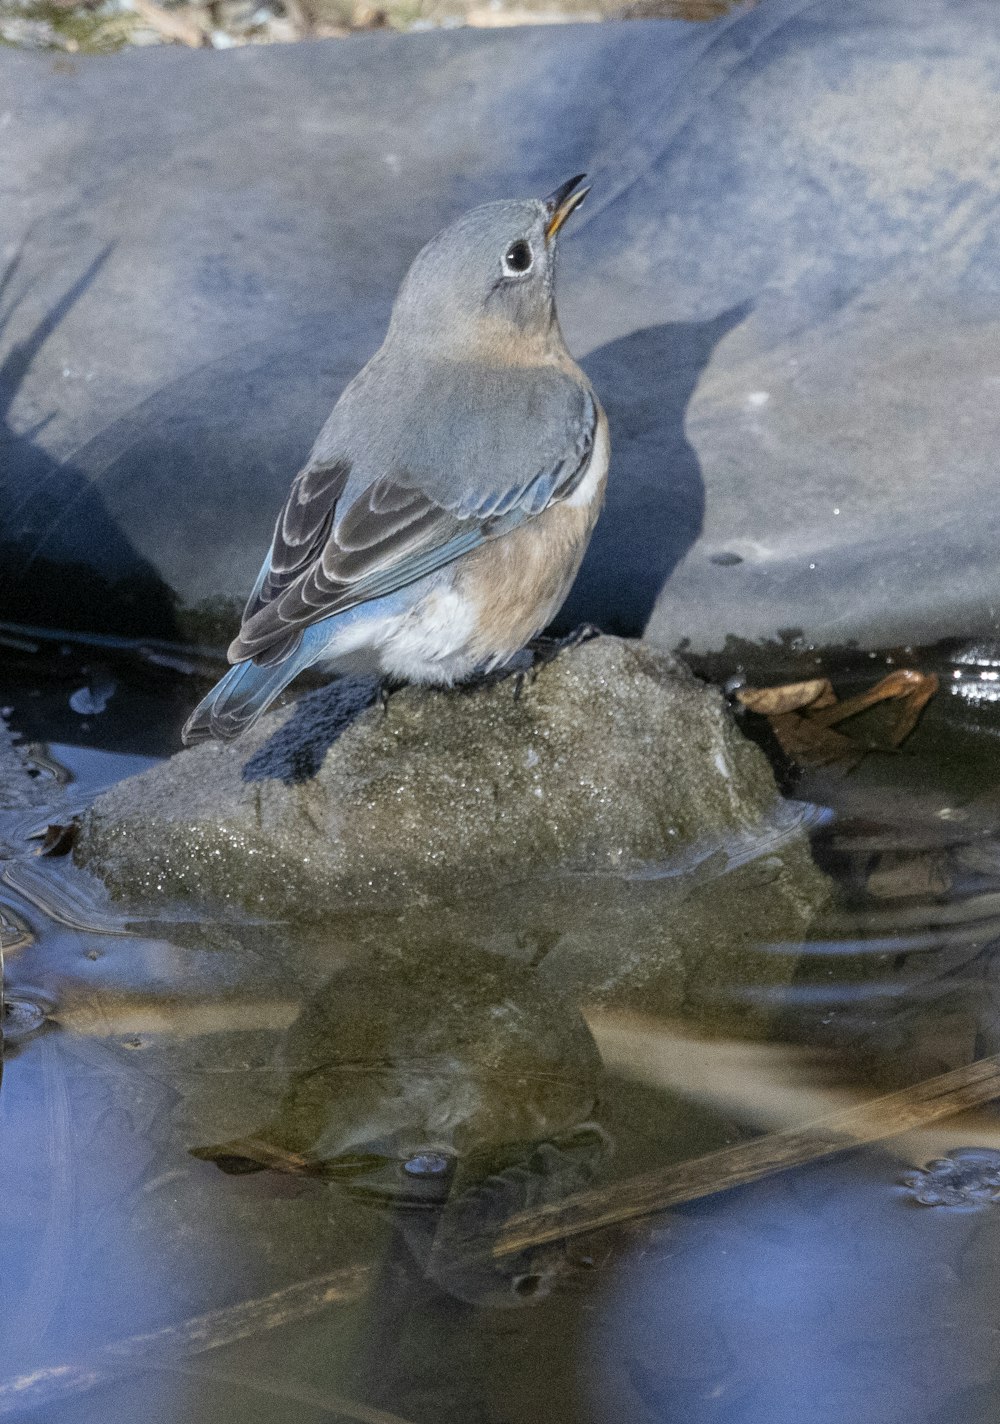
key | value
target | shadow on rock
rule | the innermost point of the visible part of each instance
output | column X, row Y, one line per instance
column 656, row 497
column 64, row 562
column 297, row 749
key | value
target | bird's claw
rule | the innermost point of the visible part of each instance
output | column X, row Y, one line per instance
column 544, row 650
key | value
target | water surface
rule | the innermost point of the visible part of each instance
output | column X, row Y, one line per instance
column 254, row 1171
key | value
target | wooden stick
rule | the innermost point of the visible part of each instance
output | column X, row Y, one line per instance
column 872, row 1121
column 160, row 1348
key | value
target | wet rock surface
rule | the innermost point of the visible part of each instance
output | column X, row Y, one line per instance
column 20, row 784
column 612, row 759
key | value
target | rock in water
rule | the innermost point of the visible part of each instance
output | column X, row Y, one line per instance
column 18, row 787
column 612, row 760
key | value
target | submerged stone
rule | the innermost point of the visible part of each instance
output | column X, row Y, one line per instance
column 611, row 760
column 20, row 784
column 969, row 1177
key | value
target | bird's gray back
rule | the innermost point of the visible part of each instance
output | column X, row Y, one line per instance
column 466, row 434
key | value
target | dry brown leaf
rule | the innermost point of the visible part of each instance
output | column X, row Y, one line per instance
column 803, row 714
column 789, row 697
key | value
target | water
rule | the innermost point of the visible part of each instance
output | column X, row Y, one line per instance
column 355, row 1172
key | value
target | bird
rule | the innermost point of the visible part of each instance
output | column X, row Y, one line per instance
column 446, row 505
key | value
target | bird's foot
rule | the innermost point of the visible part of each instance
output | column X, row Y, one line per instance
column 385, row 692
column 544, row 650
column 522, row 669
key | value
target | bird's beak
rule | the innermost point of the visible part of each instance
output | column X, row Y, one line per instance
column 565, row 200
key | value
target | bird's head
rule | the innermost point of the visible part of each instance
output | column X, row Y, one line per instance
column 489, row 274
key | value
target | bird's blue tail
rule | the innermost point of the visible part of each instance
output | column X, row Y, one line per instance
column 248, row 689
column 239, row 698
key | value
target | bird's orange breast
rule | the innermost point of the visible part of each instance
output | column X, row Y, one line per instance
column 518, row 582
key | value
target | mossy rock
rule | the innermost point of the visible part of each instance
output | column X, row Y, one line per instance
column 612, row 759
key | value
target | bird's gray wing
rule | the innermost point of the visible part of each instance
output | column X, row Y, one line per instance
column 331, row 551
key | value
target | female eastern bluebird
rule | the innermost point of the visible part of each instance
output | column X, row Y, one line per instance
column 448, row 501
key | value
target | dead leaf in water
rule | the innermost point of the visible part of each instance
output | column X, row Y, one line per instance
column 803, row 715
column 789, row 697
column 58, row 838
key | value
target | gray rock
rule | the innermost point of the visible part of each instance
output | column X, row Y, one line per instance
column 847, row 472
column 611, row 760
column 787, row 291
column 610, row 828
column 19, row 789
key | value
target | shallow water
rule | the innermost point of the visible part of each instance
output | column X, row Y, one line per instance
column 262, row 1173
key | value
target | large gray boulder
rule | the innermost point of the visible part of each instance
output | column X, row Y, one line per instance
column 849, row 480
column 783, row 286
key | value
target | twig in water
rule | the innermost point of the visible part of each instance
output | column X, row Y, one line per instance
column 193, row 1336
column 645, row 1195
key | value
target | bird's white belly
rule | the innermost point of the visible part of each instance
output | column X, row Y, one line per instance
column 591, row 487
column 429, row 642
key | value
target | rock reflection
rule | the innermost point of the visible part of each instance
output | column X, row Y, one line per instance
column 395, row 1058
column 456, row 1083
column 459, row 1259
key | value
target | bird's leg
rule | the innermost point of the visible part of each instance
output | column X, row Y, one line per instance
column 386, row 688
column 582, row 633
column 543, row 649
column 521, row 669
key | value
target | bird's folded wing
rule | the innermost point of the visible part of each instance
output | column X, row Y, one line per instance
column 325, row 558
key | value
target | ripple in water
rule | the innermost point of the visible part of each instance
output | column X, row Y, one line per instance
column 969, row 1177
column 22, row 1018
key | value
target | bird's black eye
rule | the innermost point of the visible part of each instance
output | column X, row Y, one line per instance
column 519, row 256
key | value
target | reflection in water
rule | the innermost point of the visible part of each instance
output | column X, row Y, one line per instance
column 822, row 1297
column 399, row 1062
column 458, row 1084
column 420, row 1119
column 976, row 674
column 21, row 1017
column 460, row 1259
